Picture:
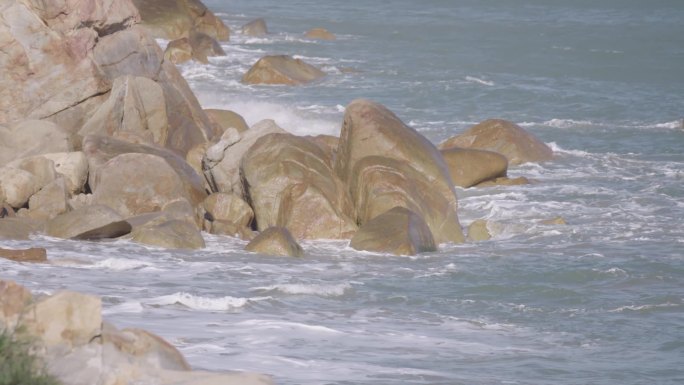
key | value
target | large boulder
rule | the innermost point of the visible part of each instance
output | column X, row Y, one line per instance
column 73, row 167
column 146, row 347
column 174, row 19
column 89, row 222
column 131, row 189
column 50, row 201
column 276, row 241
column 13, row 300
column 319, row 34
column 19, row 228
column 32, row 137
column 227, row 207
column 256, row 27
column 398, row 231
column 504, row 137
column 381, row 183
column 101, row 149
column 222, row 160
column 370, row 129
column 203, row 46
column 290, row 184
column 174, row 234
column 178, row 51
column 17, row 186
column 282, row 69
column 226, row 119
column 470, row 167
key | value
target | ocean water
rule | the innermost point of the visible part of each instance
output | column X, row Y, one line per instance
column 597, row 301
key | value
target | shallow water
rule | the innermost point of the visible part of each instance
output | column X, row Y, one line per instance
column 600, row 300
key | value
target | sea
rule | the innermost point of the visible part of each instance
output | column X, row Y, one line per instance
column 599, row 300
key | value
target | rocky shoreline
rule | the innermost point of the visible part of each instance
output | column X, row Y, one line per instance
column 101, row 138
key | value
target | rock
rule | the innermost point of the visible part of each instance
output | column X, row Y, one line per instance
column 13, row 300
column 148, row 349
column 328, row 143
column 478, row 231
column 504, row 181
column 34, row 254
column 504, row 137
column 282, row 69
column 101, row 150
column 256, row 28
column 380, row 184
column 136, row 104
column 43, row 169
column 319, row 34
column 226, row 119
column 17, row 186
column 89, row 222
column 227, row 207
column 222, row 160
column 73, row 166
column 370, row 129
column 178, row 51
column 19, row 228
column 66, row 318
column 32, row 137
column 275, row 241
column 203, row 46
column 6, row 211
column 471, row 167
column 398, row 231
column 79, row 201
column 289, row 184
column 554, row 221
column 174, row 234
column 174, row 19
column 50, row 201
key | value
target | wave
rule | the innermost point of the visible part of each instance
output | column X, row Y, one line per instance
column 572, row 123
column 307, row 289
column 475, row 80
column 197, row 302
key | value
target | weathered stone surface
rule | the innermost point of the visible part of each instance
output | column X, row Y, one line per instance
column 282, row 69
column 17, row 186
column 290, row 184
column 256, row 27
column 136, row 105
column 319, row 34
column 19, row 228
column 504, row 181
column 101, row 150
column 504, row 137
column 222, row 160
column 178, row 51
column 470, row 167
column 227, row 207
column 73, row 167
column 174, row 19
column 6, row 211
column 34, row 254
column 370, row 129
column 174, row 234
column 204, row 46
column 89, row 222
column 42, row 168
column 32, row 137
column 275, row 241
column 226, row 119
column 380, row 184
column 398, row 231
column 328, row 144
column 478, row 231
column 13, row 300
column 148, row 349
column 50, row 201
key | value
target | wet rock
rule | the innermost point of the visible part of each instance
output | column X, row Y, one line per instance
column 147, row 348
column 282, row 69
column 478, row 231
column 178, row 51
column 89, row 222
column 470, row 167
column 256, row 27
column 174, row 234
column 319, row 34
column 226, row 119
column 174, row 19
column 398, row 231
column 275, row 241
column 34, row 254
column 204, row 46
column 558, row 221
column 19, row 228
column 504, row 137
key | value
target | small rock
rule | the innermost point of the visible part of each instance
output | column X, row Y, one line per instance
column 173, row 234
column 319, row 34
column 255, row 28
column 282, row 69
column 34, row 254
column 478, row 231
column 275, row 241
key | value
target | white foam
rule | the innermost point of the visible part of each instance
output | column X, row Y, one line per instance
column 270, row 324
column 473, row 79
column 308, row 289
column 119, row 264
column 559, row 150
column 199, row 302
column 643, row 307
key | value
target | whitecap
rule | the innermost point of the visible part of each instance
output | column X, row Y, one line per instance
column 119, row 264
column 307, row 289
column 271, row 324
column 473, row 79
column 643, row 308
column 197, row 302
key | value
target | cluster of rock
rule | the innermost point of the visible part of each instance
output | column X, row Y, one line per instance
column 78, row 347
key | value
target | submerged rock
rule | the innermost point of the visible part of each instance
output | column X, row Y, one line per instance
column 282, row 69
column 256, row 27
column 275, row 241
column 478, row 231
column 319, row 34
column 398, row 231
column 34, row 254
column 471, row 167
column 174, row 234
column 227, row 119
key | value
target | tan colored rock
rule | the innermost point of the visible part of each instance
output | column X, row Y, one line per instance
column 174, row 234
column 42, row 168
column 504, row 181
column 370, row 129
column 282, row 69
column 89, row 222
column 290, row 184
column 319, row 34
column 178, row 51
column 226, row 119
column 66, row 318
column 174, row 19
column 380, row 184
column 50, row 201
column 148, row 349
column 256, row 27
column 34, row 254
column 222, row 160
column 478, row 231
column 504, row 137
column 559, row 221
column 14, row 299
column 6, row 211
column 328, row 143
column 19, row 228
column 204, row 46
column 73, row 166
column 32, row 137
column 228, row 207
column 17, row 186
column 398, row 231
column 471, row 167
column 136, row 104
column 275, row 241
